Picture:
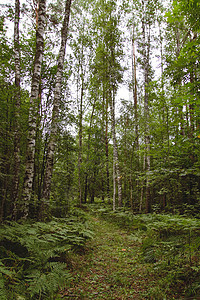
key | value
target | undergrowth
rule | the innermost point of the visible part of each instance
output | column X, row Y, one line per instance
column 34, row 258
column 170, row 247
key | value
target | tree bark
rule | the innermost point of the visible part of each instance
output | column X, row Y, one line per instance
column 17, row 111
column 180, row 108
column 107, row 156
column 135, row 100
column 80, row 135
column 134, row 83
column 55, row 113
column 88, row 151
column 146, row 53
column 116, row 172
column 29, row 170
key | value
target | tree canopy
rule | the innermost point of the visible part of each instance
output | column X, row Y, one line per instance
column 99, row 100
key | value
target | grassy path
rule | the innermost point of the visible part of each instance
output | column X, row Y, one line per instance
column 111, row 269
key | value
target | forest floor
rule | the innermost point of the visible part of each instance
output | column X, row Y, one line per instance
column 110, row 268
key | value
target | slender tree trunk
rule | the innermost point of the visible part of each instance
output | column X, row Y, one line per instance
column 116, row 176
column 134, row 83
column 191, row 106
column 135, row 100
column 29, row 170
column 55, row 113
column 17, row 111
column 80, row 142
column 146, row 52
column 180, row 108
column 88, row 150
column 142, row 186
column 131, row 192
column 114, row 184
column 37, row 166
column 112, row 93
column 107, row 155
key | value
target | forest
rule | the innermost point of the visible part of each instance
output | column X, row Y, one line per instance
column 100, row 137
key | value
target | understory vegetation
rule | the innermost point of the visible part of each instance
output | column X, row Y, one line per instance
column 42, row 260
column 35, row 258
column 170, row 247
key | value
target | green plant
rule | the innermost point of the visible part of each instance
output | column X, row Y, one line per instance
column 35, row 258
column 169, row 249
column 3, row 295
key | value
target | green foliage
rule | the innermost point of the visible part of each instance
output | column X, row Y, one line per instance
column 3, row 270
column 169, row 249
column 35, row 258
column 47, row 283
column 63, row 176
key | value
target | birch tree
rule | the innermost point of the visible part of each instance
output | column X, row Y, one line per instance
column 55, row 112
column 33, row 111
column 17, row 109
column 114, row 75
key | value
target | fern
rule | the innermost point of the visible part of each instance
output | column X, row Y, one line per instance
column 3, row 295
column 169, row 247
column 47, row 282
column 35, row 256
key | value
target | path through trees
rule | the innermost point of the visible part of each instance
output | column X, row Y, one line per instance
column 111, row 269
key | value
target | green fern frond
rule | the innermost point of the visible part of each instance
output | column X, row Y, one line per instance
column 6, row 271
column 35, row 255
column 3, row 295
column 48, row 282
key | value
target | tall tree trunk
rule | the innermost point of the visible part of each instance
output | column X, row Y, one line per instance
column 17, row 111
column 112, row 93
column 106, row 149
column 146, row 53
column 134, row 83
column 191, row 105
column 55, row 113
column 80, row 136
column 135, row 100
column 116, row 172
column 114, row 183
column 88, row 151
column 180, row 107
column 142, row 185
column 33, row 111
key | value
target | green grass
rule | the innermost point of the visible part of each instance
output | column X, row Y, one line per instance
column 138, row 257
column 112, row 268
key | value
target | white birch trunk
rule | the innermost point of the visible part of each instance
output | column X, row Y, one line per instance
column 17, row 110
column 29, row 170
column 55, row 113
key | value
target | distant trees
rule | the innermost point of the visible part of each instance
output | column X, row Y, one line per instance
column 74, row 137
